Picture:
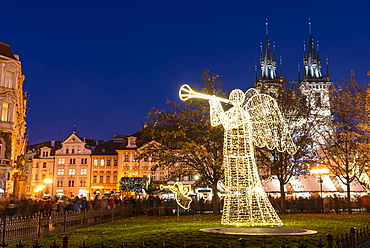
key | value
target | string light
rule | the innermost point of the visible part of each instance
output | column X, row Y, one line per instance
column 254, row 120
column 181, row 194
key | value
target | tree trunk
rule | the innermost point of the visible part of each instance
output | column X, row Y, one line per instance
column 349, row 205
column 282, row 197
column 215, row 205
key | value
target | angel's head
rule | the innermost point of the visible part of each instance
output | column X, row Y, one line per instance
column 236, row 97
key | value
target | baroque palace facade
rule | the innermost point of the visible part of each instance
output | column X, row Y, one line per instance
column 12, row 122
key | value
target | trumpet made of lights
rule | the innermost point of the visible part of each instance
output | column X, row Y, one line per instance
column 253, row 120
column 181, row 194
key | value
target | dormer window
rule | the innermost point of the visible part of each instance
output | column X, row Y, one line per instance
column 131, row 142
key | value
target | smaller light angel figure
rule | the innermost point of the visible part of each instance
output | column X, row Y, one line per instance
column 181, row 194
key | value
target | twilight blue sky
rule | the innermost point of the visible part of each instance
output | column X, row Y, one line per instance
column 101, row 65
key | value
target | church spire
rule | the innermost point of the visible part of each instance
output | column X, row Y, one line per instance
column 311, row 58
column 267, row 61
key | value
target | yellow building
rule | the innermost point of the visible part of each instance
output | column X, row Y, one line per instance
column 12, row 123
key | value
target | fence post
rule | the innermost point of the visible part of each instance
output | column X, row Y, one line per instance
column 65, row 242
column 3, row 244
column 353, row 237
column 330, row 239
column 39, row 229
column 65, row 221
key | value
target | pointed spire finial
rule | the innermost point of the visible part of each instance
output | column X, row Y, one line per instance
column 267, row 29
column 309, row 26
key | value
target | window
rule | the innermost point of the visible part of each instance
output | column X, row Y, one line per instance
column 82, row 183
column 5, row 112
column 114, row 179
column 43, row 177
column 44, row 165
column 67, row 151
column 95, row 179
column 136, row 158
column 37, row 164
column 36, row 177
column 126, row 158
column 73, row 151
column 102, row 162
column 108, row 162
column 71, row 183
column 107, row 179
column 101, row 178
column 45, row 154
column 115, row 162
column 72, row 161
column 60, row 172
column 72, row 172
column 9, row 79
column 61, row 161
column 83, row 172
column 78, row 150
column 60, row 183
column 95, row 162
column 83, row 160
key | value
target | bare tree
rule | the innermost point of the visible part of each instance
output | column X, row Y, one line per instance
column 346, row 152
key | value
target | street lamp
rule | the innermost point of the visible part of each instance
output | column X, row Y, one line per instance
column 320, row 172
column 47, row 181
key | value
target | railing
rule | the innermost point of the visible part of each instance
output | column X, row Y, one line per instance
column 356, row 239
column 32, row 227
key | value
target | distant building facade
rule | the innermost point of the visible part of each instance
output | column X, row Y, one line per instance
column 87, row 168
column 12, row 122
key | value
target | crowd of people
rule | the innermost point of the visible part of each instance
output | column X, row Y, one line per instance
column 154, row 205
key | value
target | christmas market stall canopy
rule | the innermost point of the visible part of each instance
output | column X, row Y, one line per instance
column 330, row 184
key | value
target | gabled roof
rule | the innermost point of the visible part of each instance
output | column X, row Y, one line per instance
column 54, row 145
column 6, row 51
column 107, row 148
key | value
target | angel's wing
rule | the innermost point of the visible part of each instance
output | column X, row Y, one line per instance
column 268, row 125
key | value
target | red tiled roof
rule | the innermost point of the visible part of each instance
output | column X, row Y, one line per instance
column 5, row 50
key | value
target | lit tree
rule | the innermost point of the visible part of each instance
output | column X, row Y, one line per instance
column 187, row 138
column 346, row 152
column 300, row 125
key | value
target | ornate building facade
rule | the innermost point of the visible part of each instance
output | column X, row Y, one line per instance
column 12, row 122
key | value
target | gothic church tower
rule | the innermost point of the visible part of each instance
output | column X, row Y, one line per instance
column 268, row 82
column 314, row 87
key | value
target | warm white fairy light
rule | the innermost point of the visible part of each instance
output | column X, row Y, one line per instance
column 181, row 194
column 254, row 119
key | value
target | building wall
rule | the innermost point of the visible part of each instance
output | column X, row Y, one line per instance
column 12, row 121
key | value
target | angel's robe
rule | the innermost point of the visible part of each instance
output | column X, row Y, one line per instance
column 245, row 201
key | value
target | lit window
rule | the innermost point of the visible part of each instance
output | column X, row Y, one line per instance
column 72, row 172
column 60, row 172
column 78, row 150
column 5, row 112
column 61, row 161
column 102, row 162
column 83, row 172
column 95, row 162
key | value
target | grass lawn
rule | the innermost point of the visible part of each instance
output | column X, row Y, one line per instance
column 153, row 231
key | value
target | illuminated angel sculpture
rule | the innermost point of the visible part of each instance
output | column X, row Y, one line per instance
column 181, row 194
column 254, row 119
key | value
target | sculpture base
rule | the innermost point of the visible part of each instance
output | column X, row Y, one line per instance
column 270, row 231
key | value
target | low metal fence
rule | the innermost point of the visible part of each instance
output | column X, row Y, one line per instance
column 41, row 225
column 354, row 239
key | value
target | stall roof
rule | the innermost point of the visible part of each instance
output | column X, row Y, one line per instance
column 311, row 184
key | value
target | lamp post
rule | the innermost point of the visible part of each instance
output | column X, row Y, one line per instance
column 48, row 181
column 320, row 172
